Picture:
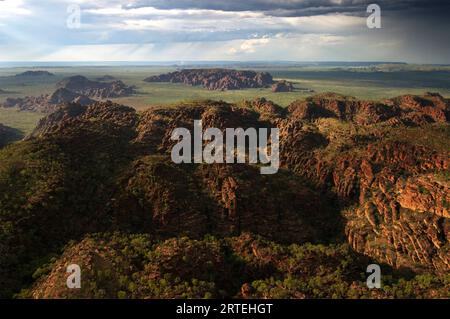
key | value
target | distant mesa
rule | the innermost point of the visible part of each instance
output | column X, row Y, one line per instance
column 3, row 91
column 34, row 74
column 95, row 89
column 282, row 86
column 216, row 79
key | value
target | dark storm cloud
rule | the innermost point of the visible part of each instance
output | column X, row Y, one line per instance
column 291, row 8
column 412, row 30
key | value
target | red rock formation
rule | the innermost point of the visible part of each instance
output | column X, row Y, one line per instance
column 47, row 103
column 216, row 79
column 393, row 193
column 94, row 89
column 34, row 74
column 408, row 110
column 282, row 86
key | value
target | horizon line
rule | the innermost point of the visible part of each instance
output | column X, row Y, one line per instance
column 180, row 63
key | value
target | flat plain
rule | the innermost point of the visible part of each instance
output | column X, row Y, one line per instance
column 363, row 82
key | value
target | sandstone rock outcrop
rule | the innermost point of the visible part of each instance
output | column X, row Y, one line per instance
column 282, row 86
column 221, row 199
column 74, row 115
column 408, row 110
column 95, row 89
column 216, row 79
column 34, row 74
column 400, row 189
column 47, row 103
column 75, row 89
column 347, row 177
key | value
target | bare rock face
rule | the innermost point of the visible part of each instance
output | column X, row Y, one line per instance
column 216, row 79
column 402, row 215
column 282, row 86
column 424, row 194
column 96, row 90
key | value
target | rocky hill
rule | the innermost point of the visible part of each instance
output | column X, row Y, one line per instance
column 361, row 182
column 407, row 110
column 216, row 79
column 282, row 86
column 47, row 103
column 95, row 89
column 34, row 74
column 76, row 89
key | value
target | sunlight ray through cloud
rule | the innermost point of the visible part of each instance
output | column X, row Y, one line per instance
column 250, row 28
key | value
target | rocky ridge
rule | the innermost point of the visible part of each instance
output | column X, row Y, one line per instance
column 47, row 103
column 216, row 79
column 370, row 176
column 76, row 89
column 407, row 110
column 37, row 73
column 95, row 89
column 282, row 86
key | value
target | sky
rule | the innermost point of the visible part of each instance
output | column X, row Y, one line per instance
column 413, row 31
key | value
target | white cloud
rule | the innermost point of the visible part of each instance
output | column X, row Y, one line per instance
column 103, row 52
column 10, row 9
column 304, row 47
column 249, row 46
column 112, row 30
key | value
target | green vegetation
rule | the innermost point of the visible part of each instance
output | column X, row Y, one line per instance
column 98, row 189
column 25, row 122
column 135, row 266
column 57, row 178
column 364, row 83
column 434, row 136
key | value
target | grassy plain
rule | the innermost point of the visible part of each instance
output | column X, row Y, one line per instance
column 372, row 83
